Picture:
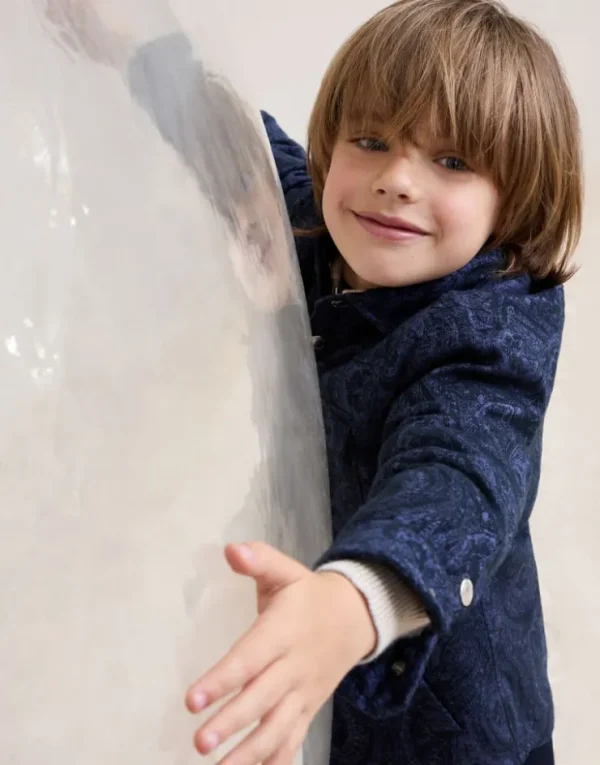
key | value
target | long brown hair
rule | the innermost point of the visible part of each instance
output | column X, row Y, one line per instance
column 474, row 73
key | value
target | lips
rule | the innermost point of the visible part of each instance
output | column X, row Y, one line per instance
column 389, row 227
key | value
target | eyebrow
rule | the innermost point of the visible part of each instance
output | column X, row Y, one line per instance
column 437, row 143
column 355, row 118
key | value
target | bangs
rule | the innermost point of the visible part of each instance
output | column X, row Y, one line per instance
column 468, row 74
column 446, row 83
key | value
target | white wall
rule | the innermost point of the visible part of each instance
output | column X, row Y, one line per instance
column 281, row 50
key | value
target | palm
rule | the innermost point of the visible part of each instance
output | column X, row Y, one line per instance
column 283, row 575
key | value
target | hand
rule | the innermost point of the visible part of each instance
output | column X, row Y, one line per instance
column 109, row 31
column 312, row 629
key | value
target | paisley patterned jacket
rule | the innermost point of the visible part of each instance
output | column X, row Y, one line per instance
column 434, row 399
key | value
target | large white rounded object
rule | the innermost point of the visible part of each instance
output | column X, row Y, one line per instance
column 158, row 399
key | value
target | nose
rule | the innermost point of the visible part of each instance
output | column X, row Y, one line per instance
column 398, row 177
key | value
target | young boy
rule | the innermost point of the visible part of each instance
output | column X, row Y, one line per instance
column 437, row 210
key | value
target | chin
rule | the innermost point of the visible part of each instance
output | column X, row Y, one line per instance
column 384, row 278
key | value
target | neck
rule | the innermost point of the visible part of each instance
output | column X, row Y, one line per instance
column 353, row 280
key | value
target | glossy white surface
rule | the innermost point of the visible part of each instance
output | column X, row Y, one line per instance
column 152, row 409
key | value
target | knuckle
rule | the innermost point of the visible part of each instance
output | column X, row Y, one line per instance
column 264, row 744
column 232, row 722
column 258, row 753
column 239, row 670
column 300, row 733
column 290, row 747
column 248, row 755
column 296, row 703
column 288, row 752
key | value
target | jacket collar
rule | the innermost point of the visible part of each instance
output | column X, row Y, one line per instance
column 386, row 307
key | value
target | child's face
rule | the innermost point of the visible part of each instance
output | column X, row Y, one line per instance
column 405, row 213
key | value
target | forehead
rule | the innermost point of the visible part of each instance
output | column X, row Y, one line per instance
column 410, row 116
column 421, row 134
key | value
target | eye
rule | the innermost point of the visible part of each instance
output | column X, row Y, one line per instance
column 370, row 144
column 453, row 163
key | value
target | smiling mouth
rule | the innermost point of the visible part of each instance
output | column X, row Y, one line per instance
column 389, row 229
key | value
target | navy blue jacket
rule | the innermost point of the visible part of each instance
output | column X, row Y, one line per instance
column 434, row 398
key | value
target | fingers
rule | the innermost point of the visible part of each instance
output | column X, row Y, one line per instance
column 287, row 752
column 265, row 669
column 271, row 568
column 248, row 658
column 269, row 736
column 254, row 703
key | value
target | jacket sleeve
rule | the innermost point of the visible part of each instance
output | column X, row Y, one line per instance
column 458, row 468
column 290, row 160
column 395, row 609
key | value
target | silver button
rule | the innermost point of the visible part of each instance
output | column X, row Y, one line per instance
column 467, row 592
column 318, row 342
column 399, row 668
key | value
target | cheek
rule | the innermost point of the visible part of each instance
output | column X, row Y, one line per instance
column 330, row 195
column 338, row 193
column 468, row 214
column 334, row 175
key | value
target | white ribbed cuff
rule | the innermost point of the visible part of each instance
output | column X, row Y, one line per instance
column 395, row 608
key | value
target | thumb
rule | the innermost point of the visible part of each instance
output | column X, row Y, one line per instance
column 271, row 569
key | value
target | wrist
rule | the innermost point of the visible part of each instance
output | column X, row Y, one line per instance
column 352, row 615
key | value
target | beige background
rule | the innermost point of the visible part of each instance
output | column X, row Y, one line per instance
column 92, row 561
column 280, row 49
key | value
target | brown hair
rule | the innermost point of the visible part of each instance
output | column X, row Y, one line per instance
column 472, row 72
